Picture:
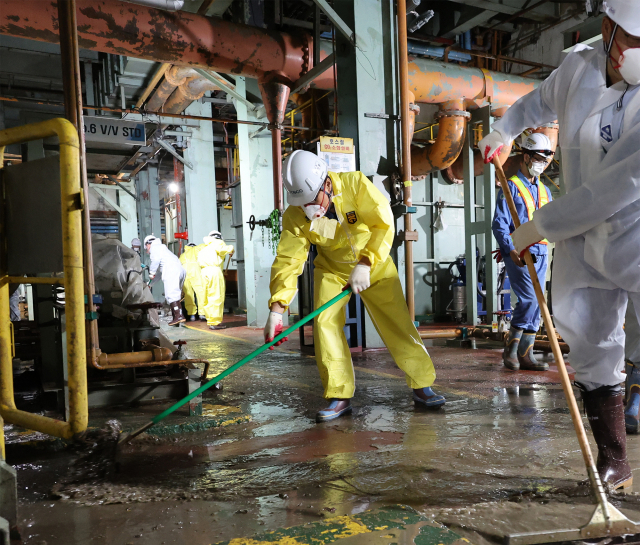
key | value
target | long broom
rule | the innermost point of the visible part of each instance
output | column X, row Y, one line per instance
column 606, row 519
column 234, row 367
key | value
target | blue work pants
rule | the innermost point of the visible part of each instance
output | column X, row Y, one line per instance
column 526, row 314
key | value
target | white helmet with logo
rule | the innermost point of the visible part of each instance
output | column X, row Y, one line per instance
column 303, row 174
column 539, row 143
column 625, row 13
column 149, row 239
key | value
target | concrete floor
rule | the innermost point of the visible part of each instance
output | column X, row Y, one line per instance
column 500, row 457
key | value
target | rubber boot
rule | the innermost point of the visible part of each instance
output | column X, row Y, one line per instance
column 218, row 326
column 426, row 397
column 176, row 311
column 525, row 354
column 632, row 382
column 336, row 408
column 192, row 318
column 605, row 411
column 510, row 355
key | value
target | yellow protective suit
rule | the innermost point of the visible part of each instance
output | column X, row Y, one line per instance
column 194, row 294
column 211, row 260
column 365, row 228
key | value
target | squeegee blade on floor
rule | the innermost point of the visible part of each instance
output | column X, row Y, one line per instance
column 596, row 528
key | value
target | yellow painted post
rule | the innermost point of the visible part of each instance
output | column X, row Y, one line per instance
column 72, row 206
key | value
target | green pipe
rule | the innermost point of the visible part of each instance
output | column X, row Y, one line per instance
column 237, row 365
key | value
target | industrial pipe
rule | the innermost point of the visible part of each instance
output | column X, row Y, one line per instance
column 173, row 77
column 192, row 89
column 180, row 38
column 440, row 333
column 131, row 359
column 436, row 82
column 452, row 121
column 72, row 87
column 405, row 135
column 169, row 5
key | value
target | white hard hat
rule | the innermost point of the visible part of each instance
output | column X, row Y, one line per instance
column 303, row 174
column 215, row 234
column 625, row 13
column 148, row 239
column 191, row 244
column 135, row 242
column 539, row 143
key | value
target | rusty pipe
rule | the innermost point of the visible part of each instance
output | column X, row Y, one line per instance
column 130, row 359
column 405, row 136
column 192, row 89
column 441, row 334
column 448, row 145
column 181, row 38
column 173, row 78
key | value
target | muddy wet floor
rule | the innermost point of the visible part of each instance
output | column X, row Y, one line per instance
column 500, row 457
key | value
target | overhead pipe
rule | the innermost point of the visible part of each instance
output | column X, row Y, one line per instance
column 405, row 136
column 173, row 78
column 169, row 5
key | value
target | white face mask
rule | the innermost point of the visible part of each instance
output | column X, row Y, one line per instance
column 314, row 211
column 536, row 168
column 630, row 66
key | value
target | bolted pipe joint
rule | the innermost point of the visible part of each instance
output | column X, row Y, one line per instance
column 452, row 121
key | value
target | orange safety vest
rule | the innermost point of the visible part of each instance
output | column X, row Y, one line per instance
column 530, row 203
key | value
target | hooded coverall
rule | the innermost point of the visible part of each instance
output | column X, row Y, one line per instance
column 173, row 273
column 211, row 259
column 526, row 315
column 595, row 225
column 193, row 283
column 365, row 228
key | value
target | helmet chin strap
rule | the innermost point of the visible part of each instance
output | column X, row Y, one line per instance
column 607, row 47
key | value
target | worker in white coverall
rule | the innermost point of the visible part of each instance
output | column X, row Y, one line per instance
column 211, row 260
column 173, row 275
column 194, row 294
column 351, row 224
column 594, row 96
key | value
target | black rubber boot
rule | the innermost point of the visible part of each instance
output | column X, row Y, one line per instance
column 605, row 410
column 525, row 354
column 176, row 311
column 510, row 356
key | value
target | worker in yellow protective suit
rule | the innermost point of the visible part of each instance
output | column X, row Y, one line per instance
column 193, row 288
column 211, row 260
column 351, row 224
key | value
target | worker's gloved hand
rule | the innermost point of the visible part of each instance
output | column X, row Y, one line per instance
column 273, row 329
column 360, row 278
column 491, row 145
column 515, row 257
column 525, row 236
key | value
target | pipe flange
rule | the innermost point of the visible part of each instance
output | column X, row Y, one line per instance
column 275, row 126
column 453, row 113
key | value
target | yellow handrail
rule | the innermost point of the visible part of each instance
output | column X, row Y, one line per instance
column 72, row 205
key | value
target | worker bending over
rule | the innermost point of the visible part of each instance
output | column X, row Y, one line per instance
column 211, row 259
column 173, row 274
column 351, row 224
column 529, row 194
column 594, row 96
column 194, row 294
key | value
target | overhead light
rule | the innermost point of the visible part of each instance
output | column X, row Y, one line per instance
column 173, row 187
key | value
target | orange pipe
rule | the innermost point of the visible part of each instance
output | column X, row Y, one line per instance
column 440, row 334
column 448, row 145
column 131, row 359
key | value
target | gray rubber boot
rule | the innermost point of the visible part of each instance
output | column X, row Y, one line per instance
column 510, row 356
column 527, row 360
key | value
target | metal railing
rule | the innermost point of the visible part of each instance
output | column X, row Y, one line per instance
column 73, row 281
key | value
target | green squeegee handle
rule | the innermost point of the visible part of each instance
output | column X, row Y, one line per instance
column 248, row 358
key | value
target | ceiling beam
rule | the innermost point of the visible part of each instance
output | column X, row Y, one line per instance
column 504, row 8
column 471, row 22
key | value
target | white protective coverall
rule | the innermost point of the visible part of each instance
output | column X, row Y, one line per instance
column 595, row 225
column 173, row 273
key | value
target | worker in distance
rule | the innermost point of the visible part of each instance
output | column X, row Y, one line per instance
column 529, row 194
column 351, row 224
column 193, row 288
column 173, row 274
column 595, row 97
column 211, row 260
